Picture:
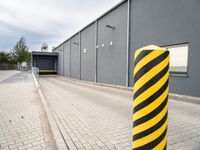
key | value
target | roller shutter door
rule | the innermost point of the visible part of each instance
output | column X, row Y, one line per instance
column 45, row 64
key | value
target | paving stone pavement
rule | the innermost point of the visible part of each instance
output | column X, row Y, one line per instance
column 95, row 117
column 184, row 126
column 91, row 118
column 23, row 123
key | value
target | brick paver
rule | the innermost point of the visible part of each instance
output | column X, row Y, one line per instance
column 94, row 117
column 91, row 117
column 184, row 126
column 23, row 124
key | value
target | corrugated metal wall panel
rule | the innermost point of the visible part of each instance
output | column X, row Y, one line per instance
column 166, row 22
column 112, row 47
column 67, row 58
column 75, row 57
column 88, row 53
column 60, row 60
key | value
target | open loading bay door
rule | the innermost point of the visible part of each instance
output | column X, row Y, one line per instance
column 46, row 62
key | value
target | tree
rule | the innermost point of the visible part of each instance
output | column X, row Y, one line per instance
column 4, row 57
column 20, row 52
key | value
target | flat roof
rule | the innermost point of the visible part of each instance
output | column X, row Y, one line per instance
column 44, row 53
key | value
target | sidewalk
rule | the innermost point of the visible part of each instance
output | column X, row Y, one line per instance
column 23, row 123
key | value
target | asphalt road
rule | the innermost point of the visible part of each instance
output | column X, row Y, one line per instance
column 96, row 117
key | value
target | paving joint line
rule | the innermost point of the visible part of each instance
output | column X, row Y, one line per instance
column 65, row 131
column 59, row 127
column 57, row 136
column 114, row 147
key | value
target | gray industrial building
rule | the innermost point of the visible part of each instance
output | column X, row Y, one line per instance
column 103, row 51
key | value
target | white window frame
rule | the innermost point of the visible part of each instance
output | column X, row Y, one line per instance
column 179, row 73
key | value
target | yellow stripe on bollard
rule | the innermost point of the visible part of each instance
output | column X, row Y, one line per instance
column 150, row 104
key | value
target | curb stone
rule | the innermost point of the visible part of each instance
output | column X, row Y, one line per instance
column 184, row 98
column 172, row 96
column 57, row 137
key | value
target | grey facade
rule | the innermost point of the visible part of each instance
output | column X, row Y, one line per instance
column 166, row 22
column 112, row 45
column 75, row 57
column 60, row 60
column 66, row 61
column 136, row 23
column 88, row 48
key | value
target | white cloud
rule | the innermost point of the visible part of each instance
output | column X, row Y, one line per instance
column 46, row 20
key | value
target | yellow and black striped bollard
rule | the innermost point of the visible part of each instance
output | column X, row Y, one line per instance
column 150, row 104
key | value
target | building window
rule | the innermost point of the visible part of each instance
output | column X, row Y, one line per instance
column 178, row 59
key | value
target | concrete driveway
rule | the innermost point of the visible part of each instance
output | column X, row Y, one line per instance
column 93, row 117
column 96, row 117
column 88, row 116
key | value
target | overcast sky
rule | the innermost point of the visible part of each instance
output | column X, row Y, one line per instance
column 51, row 21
